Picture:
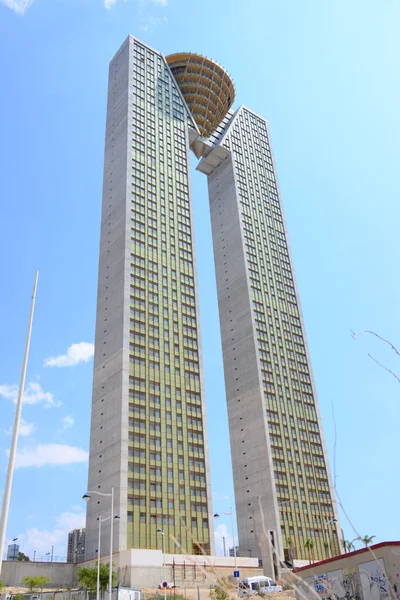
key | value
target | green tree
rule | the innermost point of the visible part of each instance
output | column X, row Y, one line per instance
column 43, row 580
column 348, row 546
column 87, row 576
column 309, row 545
column 1, row 585
column 19, row 597
column 35, row 582
column 23, row 557
column 367, row 539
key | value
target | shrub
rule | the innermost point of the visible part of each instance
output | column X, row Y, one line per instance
column 223, row 590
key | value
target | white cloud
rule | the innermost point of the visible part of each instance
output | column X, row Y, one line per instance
column 220, row 533
column 25, row 429
column 34, row 394
column 18, row 6
column 151, row 22
column 21, row 6
column 76, row 353
column 67, row 422
column 40, row 541
column 41, row 455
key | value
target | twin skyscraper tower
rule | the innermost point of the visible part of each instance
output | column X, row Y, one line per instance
column 148, row 429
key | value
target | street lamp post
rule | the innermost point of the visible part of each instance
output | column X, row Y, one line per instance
column 87, row 497
column 230, row 514
column 327, row 535
column 98, row 562
column 164, row 563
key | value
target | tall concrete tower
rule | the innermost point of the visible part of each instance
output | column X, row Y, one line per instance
column 148, row 431
column 283, row 489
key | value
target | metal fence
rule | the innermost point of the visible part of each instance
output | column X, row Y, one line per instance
column 41, row 558
column 59, row 595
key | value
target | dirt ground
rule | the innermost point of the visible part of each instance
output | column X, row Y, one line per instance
column 192, row 594
column 188, row 594
column 24, row 590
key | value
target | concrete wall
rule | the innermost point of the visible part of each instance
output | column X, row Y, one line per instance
column 368, row 574
column 108, row 460
column 255, row 496
column 139, row 568
column 61, row 574
column 144, row 568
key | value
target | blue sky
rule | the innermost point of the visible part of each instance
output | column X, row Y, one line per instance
column 326, row 76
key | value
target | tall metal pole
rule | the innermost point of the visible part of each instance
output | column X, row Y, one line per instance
column 233, row 537
column 234, row 550
column 165, row 566
column 14, row 441
column 111, row 544
column 98, row 563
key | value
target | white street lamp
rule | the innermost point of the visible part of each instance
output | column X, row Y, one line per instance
column 230, row 514
column 86, row 497
column 164, row 563
column 327, row 534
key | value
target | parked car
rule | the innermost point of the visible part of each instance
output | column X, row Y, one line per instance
column 253, row 585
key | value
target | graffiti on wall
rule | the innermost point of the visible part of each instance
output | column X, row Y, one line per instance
column 374, row 583
column 367, row 581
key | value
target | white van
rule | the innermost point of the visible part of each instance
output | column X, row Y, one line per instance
column 253, row 585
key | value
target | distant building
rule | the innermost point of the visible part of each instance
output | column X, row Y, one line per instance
column 12, row 552
column 232, row 551
column 76, row 546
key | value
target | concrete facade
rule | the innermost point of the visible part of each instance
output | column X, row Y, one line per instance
column 255, row 501
column 369, row 574
column 283, row 490
column 148, row 429
column 108, row 461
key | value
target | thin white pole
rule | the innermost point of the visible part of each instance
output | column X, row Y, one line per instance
column 14, row 441
column 165, row 566
column 98, row 563
column 233, row 537
column 234, row 547
column 111, row 544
